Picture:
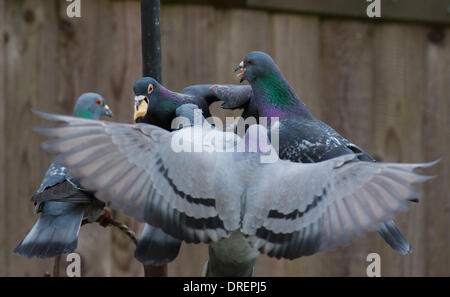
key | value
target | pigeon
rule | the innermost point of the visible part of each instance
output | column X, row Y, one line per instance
column 62, row 201
column 233, row 199
column 156, row 105
column 303, row 138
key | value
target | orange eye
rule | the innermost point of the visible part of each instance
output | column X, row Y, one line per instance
column 98, row 102
column 150, row 88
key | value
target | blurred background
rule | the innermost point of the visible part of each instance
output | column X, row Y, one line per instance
column 384, row 84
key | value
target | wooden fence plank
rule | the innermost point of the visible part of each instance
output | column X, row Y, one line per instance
column 435, row 144
column 295, row 46
column 413, row 10
column 4, row 39
column 345, row 86
column 399, row 95
column 30, row 77
column 188, row 31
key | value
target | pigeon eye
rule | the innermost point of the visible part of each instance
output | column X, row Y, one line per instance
column 249, row 62
column 150, row 88
column 98, row 102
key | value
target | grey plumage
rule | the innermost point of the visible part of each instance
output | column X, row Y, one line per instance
column 235, row 96
column 62, row 201
column 55, row 233
column 283, row 209
column 394, row 238
column 310, row 140
column 62, row 204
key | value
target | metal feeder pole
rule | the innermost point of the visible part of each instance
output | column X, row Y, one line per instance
column 151, row 66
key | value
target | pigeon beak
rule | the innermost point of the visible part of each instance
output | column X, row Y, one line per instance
column 141, row 105
column 241, row 68
column 107, row 111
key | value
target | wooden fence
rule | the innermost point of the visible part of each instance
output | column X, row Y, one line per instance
column 383, row 85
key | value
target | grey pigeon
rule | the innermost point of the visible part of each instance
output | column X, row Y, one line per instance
column 156, row 105
column 155, row 246
column 62, row 201
column 284, row 209
column 303, row 138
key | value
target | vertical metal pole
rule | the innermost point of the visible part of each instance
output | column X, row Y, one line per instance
column 151, row 66
column 151, row 39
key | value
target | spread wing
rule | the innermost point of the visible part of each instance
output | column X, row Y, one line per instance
column 285, row 209
column 192, row 196
column 309, row 208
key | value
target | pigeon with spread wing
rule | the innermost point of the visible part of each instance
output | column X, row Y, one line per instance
column 214, row 195
column 157, row 105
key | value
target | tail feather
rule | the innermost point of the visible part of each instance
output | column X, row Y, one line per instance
column 156, row 247
column 56, row 231
column 394, row 238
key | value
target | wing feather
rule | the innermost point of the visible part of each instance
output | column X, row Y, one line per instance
column 326, row 204
column 133, row 168
column 284, row 209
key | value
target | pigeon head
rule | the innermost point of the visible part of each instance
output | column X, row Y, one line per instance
column 255, row 65
column 91, row 106
column 273, row 95
column 146, row 92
